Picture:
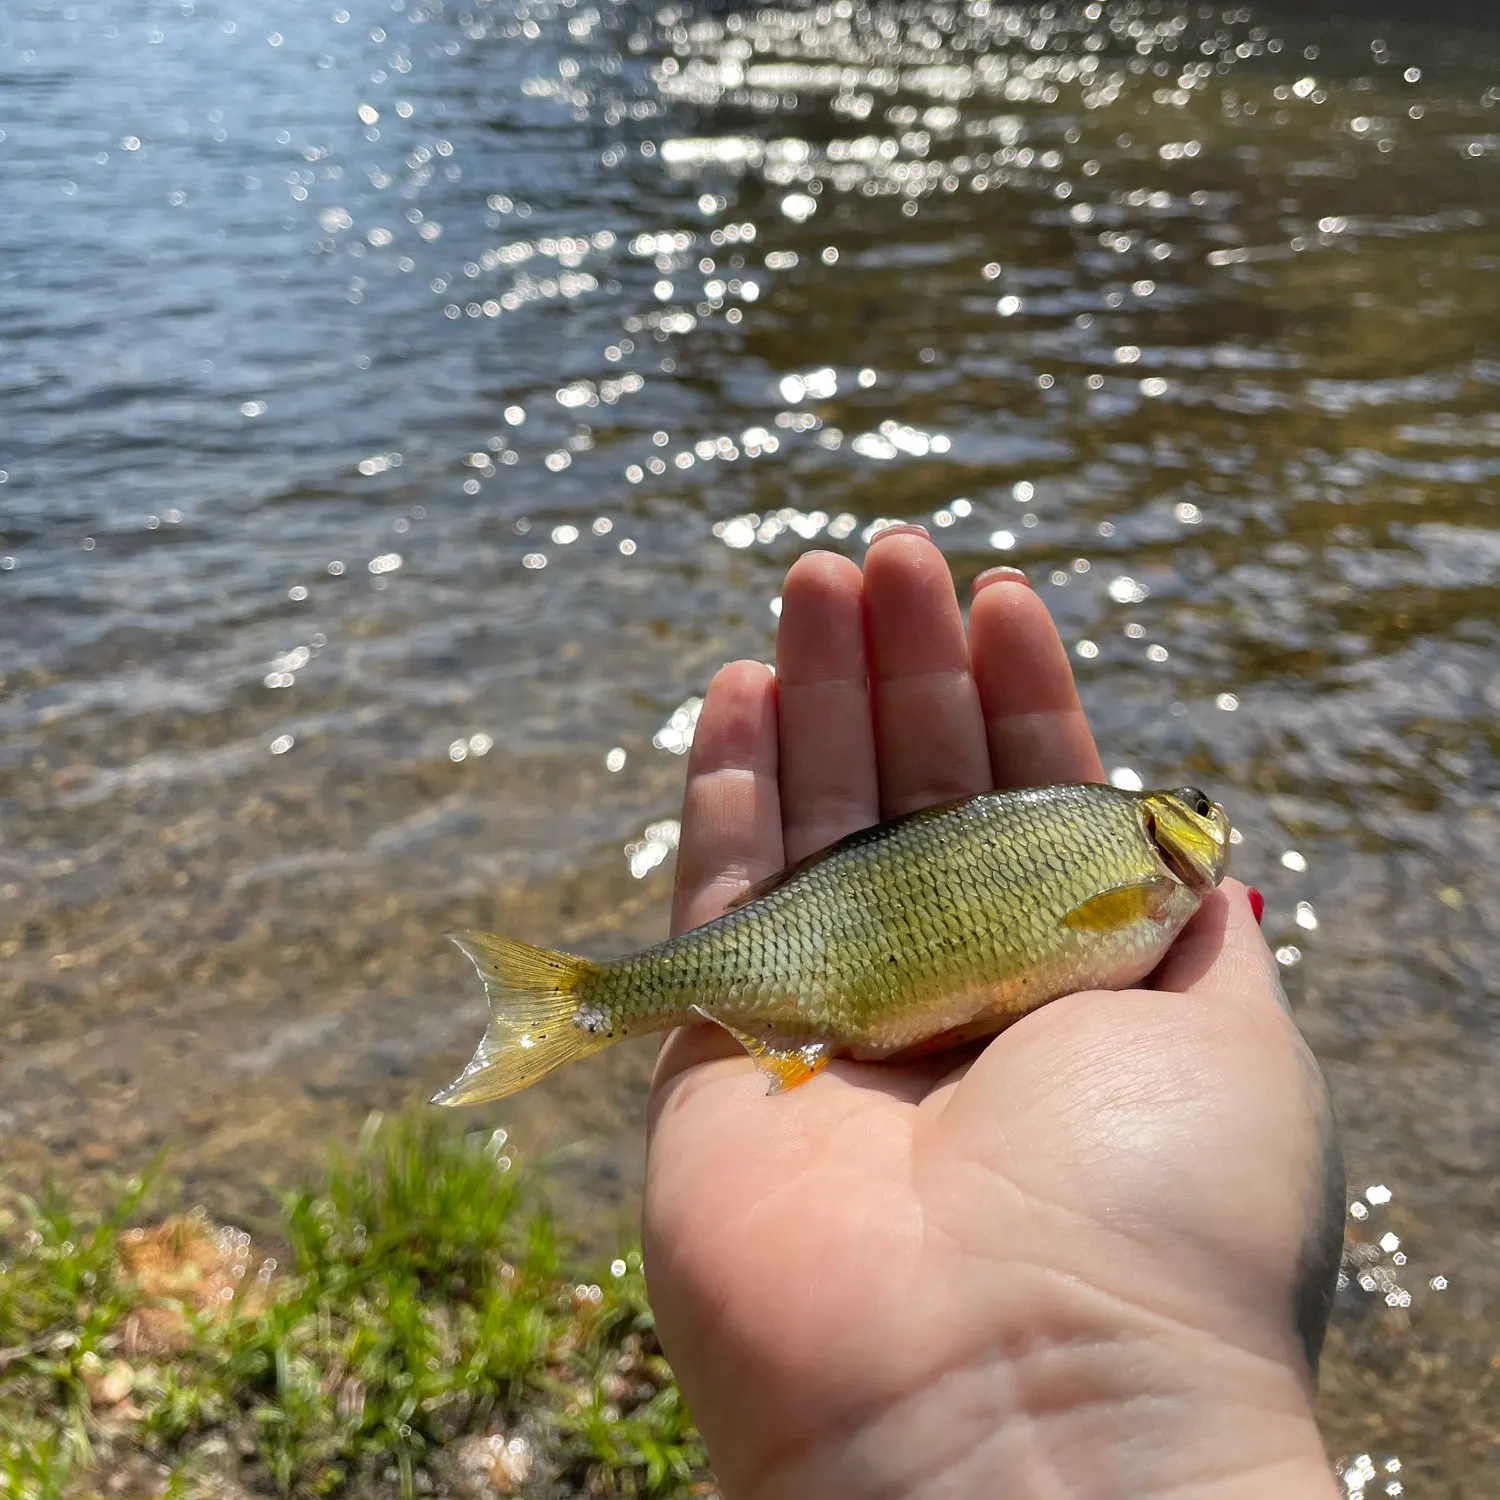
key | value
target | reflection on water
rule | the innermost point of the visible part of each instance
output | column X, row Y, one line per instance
column 406, row 406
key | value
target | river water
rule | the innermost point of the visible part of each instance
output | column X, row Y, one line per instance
column 406, row 407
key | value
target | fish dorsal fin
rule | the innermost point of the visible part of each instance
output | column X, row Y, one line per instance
column 1120, row 906
column 867, row 835
column 769, row 883
column 785, row 1060
column 871, row 834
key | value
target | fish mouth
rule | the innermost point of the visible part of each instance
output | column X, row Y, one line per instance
column 1177, row 867
column 1178, row 861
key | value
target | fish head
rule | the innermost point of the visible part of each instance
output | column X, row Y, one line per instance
column 1191, row 833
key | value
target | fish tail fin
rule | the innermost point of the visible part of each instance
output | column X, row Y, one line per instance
column 534, row 997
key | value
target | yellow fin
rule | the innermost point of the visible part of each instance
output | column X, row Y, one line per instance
column 786, row 1060
column 535, row 1023
column 1120, row 906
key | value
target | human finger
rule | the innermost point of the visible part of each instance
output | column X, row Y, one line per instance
column 827, row 770
column 1033, row 720
column 1222, row 952
column 929, row 731
column 731, row 808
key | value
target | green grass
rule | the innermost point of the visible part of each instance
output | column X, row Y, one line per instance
column 425, row 1338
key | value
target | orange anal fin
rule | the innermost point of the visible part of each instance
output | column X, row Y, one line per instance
column 1119, row 907
column 795, row 1062
column 785, row 1060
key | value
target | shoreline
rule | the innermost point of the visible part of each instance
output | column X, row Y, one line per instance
column 417, row 1327
column 418, row 1323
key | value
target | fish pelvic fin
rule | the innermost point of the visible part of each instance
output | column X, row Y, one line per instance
column 785, row 1060
column 536, row 1019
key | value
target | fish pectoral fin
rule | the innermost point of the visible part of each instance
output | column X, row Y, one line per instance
column 1120, row 906
column 785, row 1060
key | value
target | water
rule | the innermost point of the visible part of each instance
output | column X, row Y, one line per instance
column 406, row 407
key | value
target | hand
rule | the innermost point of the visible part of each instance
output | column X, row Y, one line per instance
column 1093, row 1259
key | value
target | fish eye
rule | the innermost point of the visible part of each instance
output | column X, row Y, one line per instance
column 1197, row 801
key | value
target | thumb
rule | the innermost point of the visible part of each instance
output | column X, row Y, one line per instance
column 1222, row 952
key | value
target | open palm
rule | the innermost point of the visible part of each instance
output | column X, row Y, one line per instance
column 1092, row 1258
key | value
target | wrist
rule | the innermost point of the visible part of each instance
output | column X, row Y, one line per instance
column 1150, row 1416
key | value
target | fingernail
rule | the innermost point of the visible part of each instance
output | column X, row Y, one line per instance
column 1257, row 903
column 1001, row 574
column 899, row 528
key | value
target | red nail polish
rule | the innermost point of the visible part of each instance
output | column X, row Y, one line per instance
column 1257, row 903
column 1001, row 574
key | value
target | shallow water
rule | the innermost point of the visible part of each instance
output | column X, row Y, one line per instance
column 406, row 407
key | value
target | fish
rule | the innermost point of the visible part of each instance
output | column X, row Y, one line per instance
column 929, row 930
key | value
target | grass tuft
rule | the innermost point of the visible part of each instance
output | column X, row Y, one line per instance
column 423, row 1339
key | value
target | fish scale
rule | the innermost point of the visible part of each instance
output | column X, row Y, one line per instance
column 971, row 892
column 949, row 921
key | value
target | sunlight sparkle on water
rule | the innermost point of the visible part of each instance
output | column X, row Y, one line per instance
column 646, row 853
column 1125, row 590
column 676, row 735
